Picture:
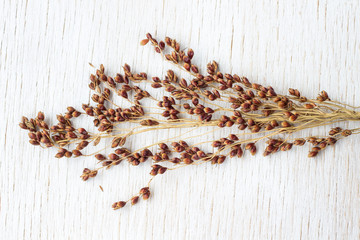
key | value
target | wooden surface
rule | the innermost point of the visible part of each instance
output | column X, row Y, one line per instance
column 44, row 54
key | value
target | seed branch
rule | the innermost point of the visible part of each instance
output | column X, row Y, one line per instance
column 213, row 100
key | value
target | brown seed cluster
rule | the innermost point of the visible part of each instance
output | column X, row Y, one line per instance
column 211, row 98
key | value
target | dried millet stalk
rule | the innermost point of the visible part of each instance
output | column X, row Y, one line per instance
column 218, row 100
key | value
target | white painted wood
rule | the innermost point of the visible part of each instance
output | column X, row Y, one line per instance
column 44, row 53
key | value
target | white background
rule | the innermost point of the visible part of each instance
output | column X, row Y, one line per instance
column 44, row 54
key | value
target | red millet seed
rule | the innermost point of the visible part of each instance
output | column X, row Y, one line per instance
column 299, row 142
column 316, row 149
column 239, row 152
column 41, row 116
column 126, row 87
column 115, row 142
column 291, row 91
column 144, row 42
column 262, row 94
column 184, row 144
column 164, row 156
column 214, row 159
column 156, row 157
column 229, row 123
column 242, row 126
column 92, row 86
column 195, row 149
column 201, row 154
column 103, row 78
column 285, row 124
column 89, row 111
column 312, row 140
column 71, row 135
column 255, row 129
column 123, row 94
column 93, row 173
column 146, row 153
column 134, row 200
column 277, row 99
column 187, row 67
column 144, row 190
column 274, row 123
column 187, row 161
column 100, row 157
column 187, row 59
column 32, row 135
column 168, row 41
column 69, row 129
column 309, row 106
column 312, row 154
column 268, row 127
column 233, row 137
column 163, row 146
column 346, row 133
column 85, row 177
column 71, row 109
column 82, row 131
column 293, row 118
column 118, row 205
column 61, row 119
column 142, row 159
column 23, row 126
column 282, row 104
column 135, row 162
column 216, row 144
column 76, row 153
column 288, row 146
column 59, row 155
column 266, row 153
column 162, row 170
column 161, row 45
column 76, row 114
column 194, row 68
column 68, row 154
column 190, row 53
column 287, row 114
column 177, row 47
column 146, row 195
column 113, row 157
column 228, row 142
column 154, row 172
column 119, row 78
column 122, row 141
column 323, row 145
column 253, row 150
column 331, row 141
column 332, row 132
column 251, row 122
column 233, row 153
column 44, row 125
column 221, row 159
column 106, row 163
column 249, row 146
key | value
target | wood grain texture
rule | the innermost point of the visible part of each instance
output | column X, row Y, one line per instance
column 44, row 53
